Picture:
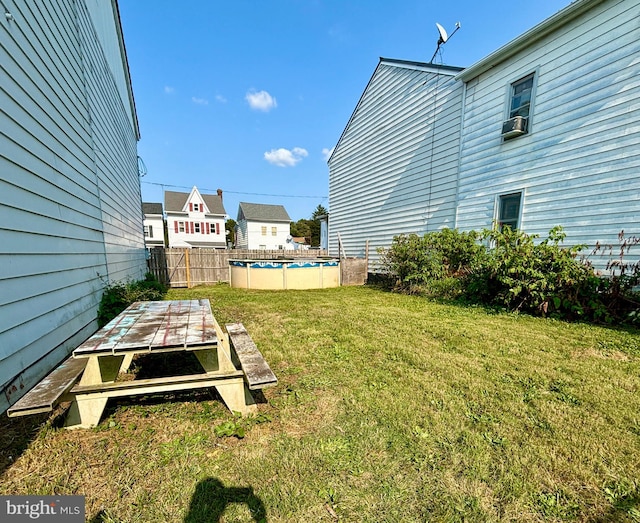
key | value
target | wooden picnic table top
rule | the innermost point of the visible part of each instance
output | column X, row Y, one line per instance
column 146, row 326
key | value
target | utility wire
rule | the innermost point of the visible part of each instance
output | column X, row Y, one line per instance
column 204, row 189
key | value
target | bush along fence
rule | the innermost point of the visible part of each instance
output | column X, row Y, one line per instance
column 515, row 271
column 176, row 267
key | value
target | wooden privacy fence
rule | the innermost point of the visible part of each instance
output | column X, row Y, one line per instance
column 177, row 267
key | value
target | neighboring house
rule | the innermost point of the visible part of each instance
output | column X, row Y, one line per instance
column 262, row 226
column 548, row 134
column 70, row 202
column 324, row 232
column 194, row 219
column 395, row 166
column 153, row 225
column 298, row 243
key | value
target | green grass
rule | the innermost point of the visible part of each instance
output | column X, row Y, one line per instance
column 389, row 408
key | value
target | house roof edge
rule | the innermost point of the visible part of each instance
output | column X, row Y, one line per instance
column 539, row 31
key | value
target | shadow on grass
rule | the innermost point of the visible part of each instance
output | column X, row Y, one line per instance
column 211, row 498
column 16, row 434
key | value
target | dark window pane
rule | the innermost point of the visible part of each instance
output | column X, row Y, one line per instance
column 509, row 211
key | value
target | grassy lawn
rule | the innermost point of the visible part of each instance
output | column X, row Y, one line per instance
column 389, row 408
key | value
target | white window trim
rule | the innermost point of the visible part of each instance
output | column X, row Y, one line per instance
column 496, row 206
column 507, row 103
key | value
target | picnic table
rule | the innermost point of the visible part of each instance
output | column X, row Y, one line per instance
column 230, row 362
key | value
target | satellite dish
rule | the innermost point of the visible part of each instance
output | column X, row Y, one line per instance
column 443, row 34
column 443, row 38
column 142, row 168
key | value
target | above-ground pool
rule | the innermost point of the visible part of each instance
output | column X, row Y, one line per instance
column 298, row 273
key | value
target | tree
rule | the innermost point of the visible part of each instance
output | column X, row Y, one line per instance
column 230, row 229
column 319, row 211
column 309, row 229
column 301, row 228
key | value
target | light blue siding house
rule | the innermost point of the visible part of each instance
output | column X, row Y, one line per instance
column 545, row 131
column 395, row 166
column 70, row 203
column 575, row 80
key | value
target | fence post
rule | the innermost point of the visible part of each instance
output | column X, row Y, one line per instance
column 188, row 267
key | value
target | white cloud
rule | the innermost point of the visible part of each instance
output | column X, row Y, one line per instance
column 285, row 157
column 169, row 90
column 261, row 100
column 199, row 101
column 327, row 153
column 221, row 99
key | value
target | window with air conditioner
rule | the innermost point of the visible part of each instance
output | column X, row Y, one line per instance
column 519, row 114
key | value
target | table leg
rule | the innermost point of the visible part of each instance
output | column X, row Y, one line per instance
column 237, row 397
column 84, row 412
column 215, row 360
column 86, row 409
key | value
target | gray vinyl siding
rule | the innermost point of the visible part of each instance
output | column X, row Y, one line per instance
column 242, row 235
column 579, row 166
column 70, row 206
column 394, row 169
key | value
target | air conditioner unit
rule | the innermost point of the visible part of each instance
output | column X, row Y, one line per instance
column 514, row 127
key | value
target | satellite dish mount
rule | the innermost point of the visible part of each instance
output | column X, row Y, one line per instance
column 443, row 37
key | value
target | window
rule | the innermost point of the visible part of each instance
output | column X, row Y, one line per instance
column 264, row 230
column 197, row 227
column 196, row 207
column 148, row 231
column 509, row 210
column 180, row 226
column 274, row 231
column 521, row 97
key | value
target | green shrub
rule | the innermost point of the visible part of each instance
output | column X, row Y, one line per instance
column 512, row 270
column 520, row 275
column 416, row 261
column 119, row 295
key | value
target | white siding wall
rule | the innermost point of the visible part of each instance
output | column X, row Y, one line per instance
column 179, row 238
column 395, row 168
column 156, row 230
column 242, row 238
column 580, row 165
column 70, row 206
column 256, row 240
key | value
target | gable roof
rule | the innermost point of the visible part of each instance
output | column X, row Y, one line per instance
column 175, row 201
column 262, row 212
column 404, row 64
column 151, row 208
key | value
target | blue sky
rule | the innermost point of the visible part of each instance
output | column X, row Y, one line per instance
column 250, row 96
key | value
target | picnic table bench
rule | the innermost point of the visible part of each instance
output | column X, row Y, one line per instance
column 230, row 362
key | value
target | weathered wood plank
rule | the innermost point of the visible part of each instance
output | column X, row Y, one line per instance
column 151, row 385
column 256, row 370
column 108, row 336
column 45, row 395
column 154, row 326
column 201, row 326
column 173, row 330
